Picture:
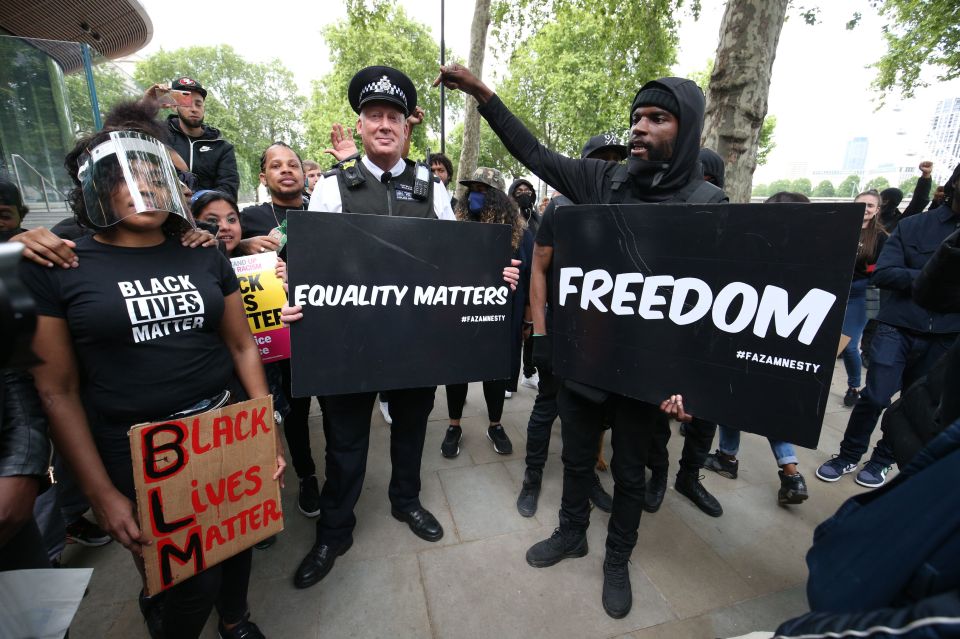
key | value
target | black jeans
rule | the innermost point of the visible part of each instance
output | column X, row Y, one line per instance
column 696, row 445
column 541, row 421
column 492, row 394
column 295, row 427
column 25, row 549
column 347, row 430
column 528, row 367
column 897, row 359
column 581, row 424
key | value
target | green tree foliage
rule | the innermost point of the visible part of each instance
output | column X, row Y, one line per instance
column 879, row 183
column 909, row 185
column 849, row 187
column 917, row 34
column 780, row 185
column 492, row 153
column 765, row 143
column 802, row 185
column 113, row 86
column 380, row 33
column 252, row 104
column 760, row 190
column 824, row 189
column 559, row 79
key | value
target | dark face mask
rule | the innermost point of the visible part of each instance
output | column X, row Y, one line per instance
column 524, row 200
column 475, row 202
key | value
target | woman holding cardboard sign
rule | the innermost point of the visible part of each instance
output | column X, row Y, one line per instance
column 147, row 328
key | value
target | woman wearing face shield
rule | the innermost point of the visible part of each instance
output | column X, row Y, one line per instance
column 113, row 355
column 487, row 202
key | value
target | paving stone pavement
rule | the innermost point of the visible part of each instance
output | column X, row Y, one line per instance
column 693, row 576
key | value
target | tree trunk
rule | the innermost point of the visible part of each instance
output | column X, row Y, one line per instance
column 739, row 86
column 471, row 123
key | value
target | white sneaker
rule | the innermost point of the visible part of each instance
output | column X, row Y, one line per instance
column 507, row 394
column 531, row 382
column 385, row 411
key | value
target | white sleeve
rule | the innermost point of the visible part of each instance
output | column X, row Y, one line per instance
column 326, row 196
column 441, row 202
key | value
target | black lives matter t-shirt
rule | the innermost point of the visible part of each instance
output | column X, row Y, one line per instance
column 145, row 324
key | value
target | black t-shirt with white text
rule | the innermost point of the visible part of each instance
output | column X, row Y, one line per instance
column 144, row 324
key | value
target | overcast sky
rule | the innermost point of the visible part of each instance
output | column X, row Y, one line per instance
column 820, row 91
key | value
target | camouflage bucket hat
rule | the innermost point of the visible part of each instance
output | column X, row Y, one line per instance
column 485, row 175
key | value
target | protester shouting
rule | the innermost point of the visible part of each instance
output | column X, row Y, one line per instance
column 666, row 119
column 127, row 371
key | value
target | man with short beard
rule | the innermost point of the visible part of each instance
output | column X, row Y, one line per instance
column 210, row 158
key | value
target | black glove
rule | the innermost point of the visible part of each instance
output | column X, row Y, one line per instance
column 543, row 352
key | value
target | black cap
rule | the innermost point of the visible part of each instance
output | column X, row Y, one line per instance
column 188, row 84
column 382, row 84
column 603, row 142
column 10, row 196
column 655, row 94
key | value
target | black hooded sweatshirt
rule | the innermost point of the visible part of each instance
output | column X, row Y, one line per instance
column 530, row 214
column 210, row 157
column 712, row 164
column 591, row 181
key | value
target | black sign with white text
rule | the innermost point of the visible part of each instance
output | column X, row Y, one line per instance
column 396, row 302
column 736, row 307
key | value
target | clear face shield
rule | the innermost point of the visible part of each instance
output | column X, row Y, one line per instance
column 129, row 174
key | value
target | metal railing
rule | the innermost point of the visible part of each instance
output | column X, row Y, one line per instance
column 44, row 182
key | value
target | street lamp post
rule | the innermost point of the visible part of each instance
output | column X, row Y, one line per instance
column 443, row 95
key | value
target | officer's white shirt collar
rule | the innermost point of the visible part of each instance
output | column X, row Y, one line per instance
column 377, row 172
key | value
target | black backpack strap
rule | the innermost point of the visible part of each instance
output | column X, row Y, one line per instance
column 702, row 192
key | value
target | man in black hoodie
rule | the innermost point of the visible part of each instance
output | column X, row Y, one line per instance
column 666, row 119
column 210, row 158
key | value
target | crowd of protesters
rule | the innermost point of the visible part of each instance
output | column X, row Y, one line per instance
column 156, row 200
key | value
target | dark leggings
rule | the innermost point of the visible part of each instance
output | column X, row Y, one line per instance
column 492, row 393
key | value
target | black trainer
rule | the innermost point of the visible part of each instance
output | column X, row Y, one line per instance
column 498, row 437
column 599, row 497
column 722, row 465
column 308, row 501
column 655, row 490
column 688, row 484
column 152, row 610
column 450, row 447
column 559, row 546
column 851, row 397
column 529, row 492
column 246, row 629
column 617, row 594
column 793, row 489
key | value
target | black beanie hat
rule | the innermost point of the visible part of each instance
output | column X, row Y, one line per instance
column 658, row 97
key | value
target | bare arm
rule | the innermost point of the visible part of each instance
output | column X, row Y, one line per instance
column 58, row 385
column 542, row 257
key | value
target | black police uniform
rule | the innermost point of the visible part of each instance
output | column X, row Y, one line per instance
column 634, row 422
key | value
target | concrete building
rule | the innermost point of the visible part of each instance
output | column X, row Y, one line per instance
column 855, row 159
column 943, row 139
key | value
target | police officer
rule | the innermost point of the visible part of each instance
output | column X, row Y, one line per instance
column 380, row 182
column 666, row 119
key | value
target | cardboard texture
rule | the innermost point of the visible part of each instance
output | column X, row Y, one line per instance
column 204, row 488
column 263, row 297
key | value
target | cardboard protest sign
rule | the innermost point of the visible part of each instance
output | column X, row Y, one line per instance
column 396, row 302
column 736, row 307
column 263, row 297
column 205, row 488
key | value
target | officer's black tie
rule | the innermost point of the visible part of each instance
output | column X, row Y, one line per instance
column 385, row 178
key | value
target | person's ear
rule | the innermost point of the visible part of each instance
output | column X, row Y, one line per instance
column 263, row 179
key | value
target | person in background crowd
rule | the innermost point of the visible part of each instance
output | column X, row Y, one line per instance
column 724, row 462
column 543, row 204
column 545, row 410
column 909, row 338
column 134, row 374
column 937, row 198
column 666, row 119
column 890, row 199
column 487, row 203
column 12, row 210
column 524, row 195
column 713, row 168
column 872, row 238
column 208, row 156
column 442, row 167
column 312, row 175
column 383, row 98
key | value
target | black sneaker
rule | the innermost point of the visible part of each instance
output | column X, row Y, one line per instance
column 617, row 594
column 688, row 484
column 722, row 465
column 498, row 437
column 529, row 492
column 308, row 501
column 599, row 497
column 559, row 546
column 246, row 629
column 655, row 489
column 86, row 533
column 266, row 543
column 793, row 489
column 850, row 399
column 152, row 610
column 450, row 447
